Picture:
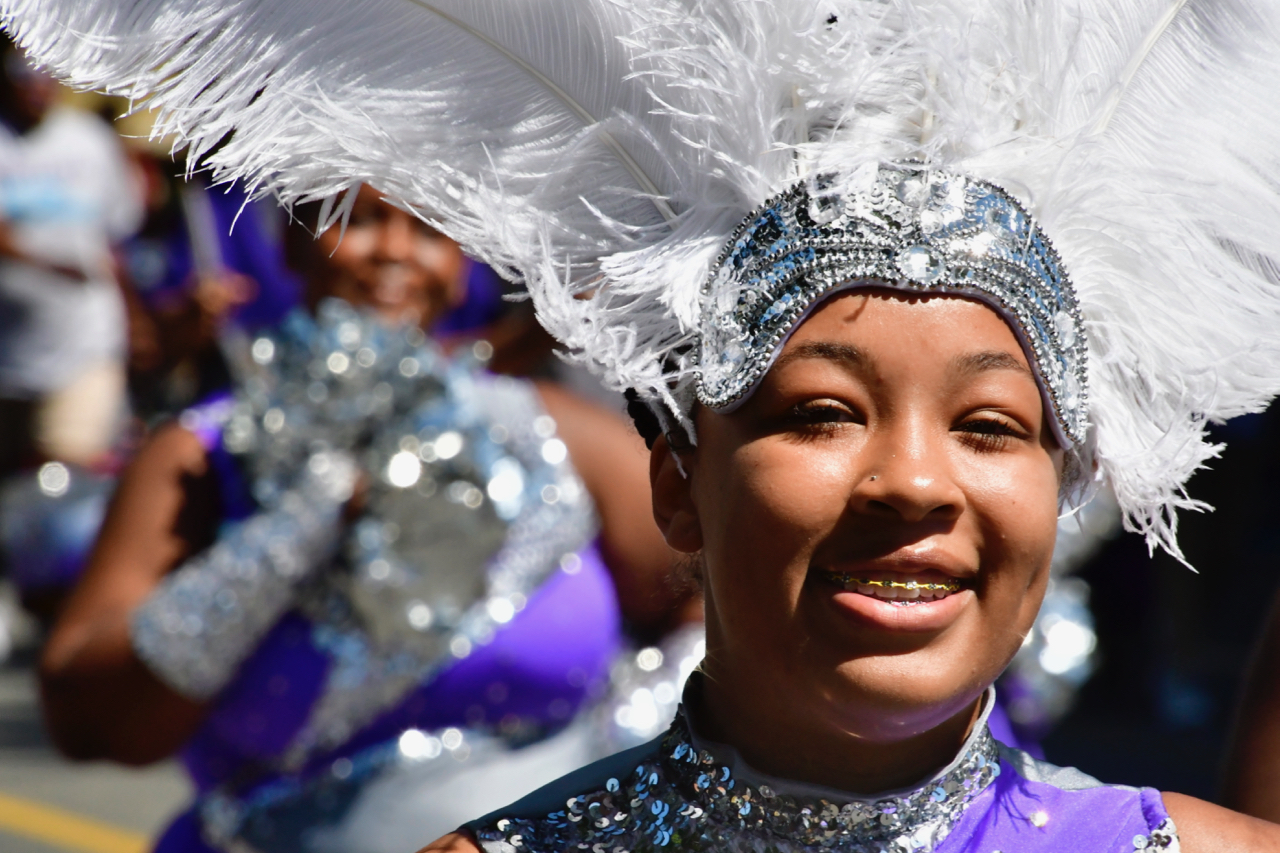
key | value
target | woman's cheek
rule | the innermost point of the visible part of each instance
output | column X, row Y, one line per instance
column 438, row 256
column 354, row 247
column 1017, row 495
column 789, row 496
column 1017, row 540
column 813, row 485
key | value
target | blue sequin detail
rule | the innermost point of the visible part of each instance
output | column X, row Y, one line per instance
column 683, row 798
column 912, row 228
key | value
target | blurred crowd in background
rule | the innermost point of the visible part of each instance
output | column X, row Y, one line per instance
column 128, row 284
column 121, row 270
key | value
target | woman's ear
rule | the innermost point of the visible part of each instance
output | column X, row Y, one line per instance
column 673, row 507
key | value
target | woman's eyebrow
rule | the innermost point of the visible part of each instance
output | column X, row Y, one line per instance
column 847, row 354
column 979, row 362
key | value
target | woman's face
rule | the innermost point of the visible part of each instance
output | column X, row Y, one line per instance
column 390, row 262
column 896, row 440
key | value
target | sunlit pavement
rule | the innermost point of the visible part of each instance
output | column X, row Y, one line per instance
column 49, row 805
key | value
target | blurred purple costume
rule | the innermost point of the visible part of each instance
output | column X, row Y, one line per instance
column 245, row 236
column 682, row 792
column 530, row 681
column 163, row 263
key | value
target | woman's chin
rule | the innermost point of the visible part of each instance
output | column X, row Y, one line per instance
column 875, row 701
column 902, row 663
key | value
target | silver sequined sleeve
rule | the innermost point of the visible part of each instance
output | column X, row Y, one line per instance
column 206, row 617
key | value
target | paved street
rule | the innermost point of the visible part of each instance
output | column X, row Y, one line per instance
column 48, row 805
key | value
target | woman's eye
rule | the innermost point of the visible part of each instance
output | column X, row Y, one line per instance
column 820, row 414
column 989, row 434
column 364, row 216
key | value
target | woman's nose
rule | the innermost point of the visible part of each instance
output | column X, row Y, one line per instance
column 396, row 242
column 907, row 476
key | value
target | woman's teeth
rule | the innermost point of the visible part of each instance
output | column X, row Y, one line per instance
column 901, row 593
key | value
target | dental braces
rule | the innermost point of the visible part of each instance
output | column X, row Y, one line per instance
column 944, row 586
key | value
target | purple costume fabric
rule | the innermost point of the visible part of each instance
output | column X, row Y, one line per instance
column 539, row 669
column 548, row 660
column 1028, row 810
column 482, row 305
column 161, row 266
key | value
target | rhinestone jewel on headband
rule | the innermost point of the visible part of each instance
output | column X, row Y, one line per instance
column 909, row 228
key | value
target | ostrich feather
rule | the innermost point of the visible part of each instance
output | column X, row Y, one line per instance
column 1168, row 122
column 543, row 135
column 1142, row 136
column 604, row 151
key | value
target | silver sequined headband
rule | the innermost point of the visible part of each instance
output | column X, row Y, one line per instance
column 908, row 227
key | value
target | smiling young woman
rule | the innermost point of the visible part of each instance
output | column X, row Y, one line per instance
column 385, row 259
column 874, row 526
column 897, row 440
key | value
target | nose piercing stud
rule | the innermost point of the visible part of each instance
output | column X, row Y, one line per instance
column 875, row 476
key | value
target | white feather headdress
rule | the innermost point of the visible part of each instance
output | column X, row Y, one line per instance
column 606, row 150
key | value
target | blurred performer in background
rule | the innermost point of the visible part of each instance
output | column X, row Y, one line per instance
column 208, row 256
column 67, row 194
column 370, row 566
column 205, row 256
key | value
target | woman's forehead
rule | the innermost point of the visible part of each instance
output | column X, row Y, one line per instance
column 932, row 326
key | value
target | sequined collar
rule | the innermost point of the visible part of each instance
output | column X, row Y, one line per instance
column 688, row 797
column 731, row 791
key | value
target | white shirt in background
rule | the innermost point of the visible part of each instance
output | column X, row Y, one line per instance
column 67, row 192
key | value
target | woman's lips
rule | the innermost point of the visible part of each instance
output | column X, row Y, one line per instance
column 391, row 287
column 926, row 600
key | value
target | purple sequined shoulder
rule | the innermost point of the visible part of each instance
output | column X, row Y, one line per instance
column 673, row 795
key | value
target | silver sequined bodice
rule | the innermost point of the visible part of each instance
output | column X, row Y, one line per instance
column 472, row 500
column 680, row 792
column 685, row 797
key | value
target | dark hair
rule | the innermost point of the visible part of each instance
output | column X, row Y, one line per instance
column 300, row 236
column 647, row 423
column 650, row 426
